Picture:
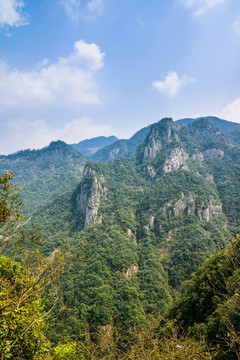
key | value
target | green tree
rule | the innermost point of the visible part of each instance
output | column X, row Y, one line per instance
column 23, row 286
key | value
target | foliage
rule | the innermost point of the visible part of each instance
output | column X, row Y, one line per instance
column 121, row 148
column 44, row 174
column 210, row 301
column 23, row 287
column 151, row 234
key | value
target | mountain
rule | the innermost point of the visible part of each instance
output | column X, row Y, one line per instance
column 139, row 226
column 44, row 174
column 134, row 231
column 225, row 126
column 90, row 146
column 121, row 148
column 210, row 301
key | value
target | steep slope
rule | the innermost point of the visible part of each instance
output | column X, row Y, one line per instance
column 89, row 146
column 210, row 303
column 44, row 174
column 140, row 226
column 121, row 148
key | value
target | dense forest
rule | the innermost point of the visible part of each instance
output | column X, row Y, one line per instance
column 134, row 254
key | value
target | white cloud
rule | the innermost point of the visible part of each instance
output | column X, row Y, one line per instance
column 76, row 9
column 11, row 13
column 199, row 7
column 231, row 112
column 172, row 84
column 69, row 81
column 236, row 27
column 72, row 8
column 95, row 7
column 26, row 134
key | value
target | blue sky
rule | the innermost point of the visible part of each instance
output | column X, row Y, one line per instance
column 75, row 69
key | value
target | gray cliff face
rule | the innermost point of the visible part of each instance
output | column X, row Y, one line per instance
column 160, row 138
column 150, row 172
column 175, row 160
column 113, row 153
column 88, row 199
column 213, row 209
column 208, row 154
column 153, row 148
column 186, row 205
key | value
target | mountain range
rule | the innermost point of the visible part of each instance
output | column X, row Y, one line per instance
column 138, row 219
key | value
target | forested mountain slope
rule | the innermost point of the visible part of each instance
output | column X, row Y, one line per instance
column 138, row 227
column 44, row 174
column 210, row 305
column 225, row 126
column 121, row 148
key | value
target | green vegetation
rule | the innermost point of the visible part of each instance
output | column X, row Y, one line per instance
column 154, row 219
column 23, row 286
column 44, row 174
column 121, row 148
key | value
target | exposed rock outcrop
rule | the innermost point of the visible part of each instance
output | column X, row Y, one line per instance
column 187, row 205
column 88, row 199
column 208, row 154
column 213, row 209
column 113, row 153
column 131, row 271
column 153, row 225
column 161, row 135
column 212, row 153
column 150, row 172
column 175, row 160
column 153, row 148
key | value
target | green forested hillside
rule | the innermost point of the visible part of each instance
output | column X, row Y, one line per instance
column 44, row 174
column 135, row 229
column 139, row 227
column 121, row 148
column 225, row 126
column 210, row 302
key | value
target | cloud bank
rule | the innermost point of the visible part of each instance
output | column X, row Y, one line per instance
column 36, row 134
column 35, row 105
column 11, row 13
column 172, row 84
column 231, row 112
column 69, row 81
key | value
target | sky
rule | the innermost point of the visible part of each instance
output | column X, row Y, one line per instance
column 76, row 69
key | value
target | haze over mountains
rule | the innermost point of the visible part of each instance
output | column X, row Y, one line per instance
column 91, row 146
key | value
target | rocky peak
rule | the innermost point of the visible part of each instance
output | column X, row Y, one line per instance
column 160, row 137
column 88, row 198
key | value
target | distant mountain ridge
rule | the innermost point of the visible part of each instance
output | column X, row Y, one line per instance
column 121, row 148
column 225, row 126
column 89, row 146
column 45, row 173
